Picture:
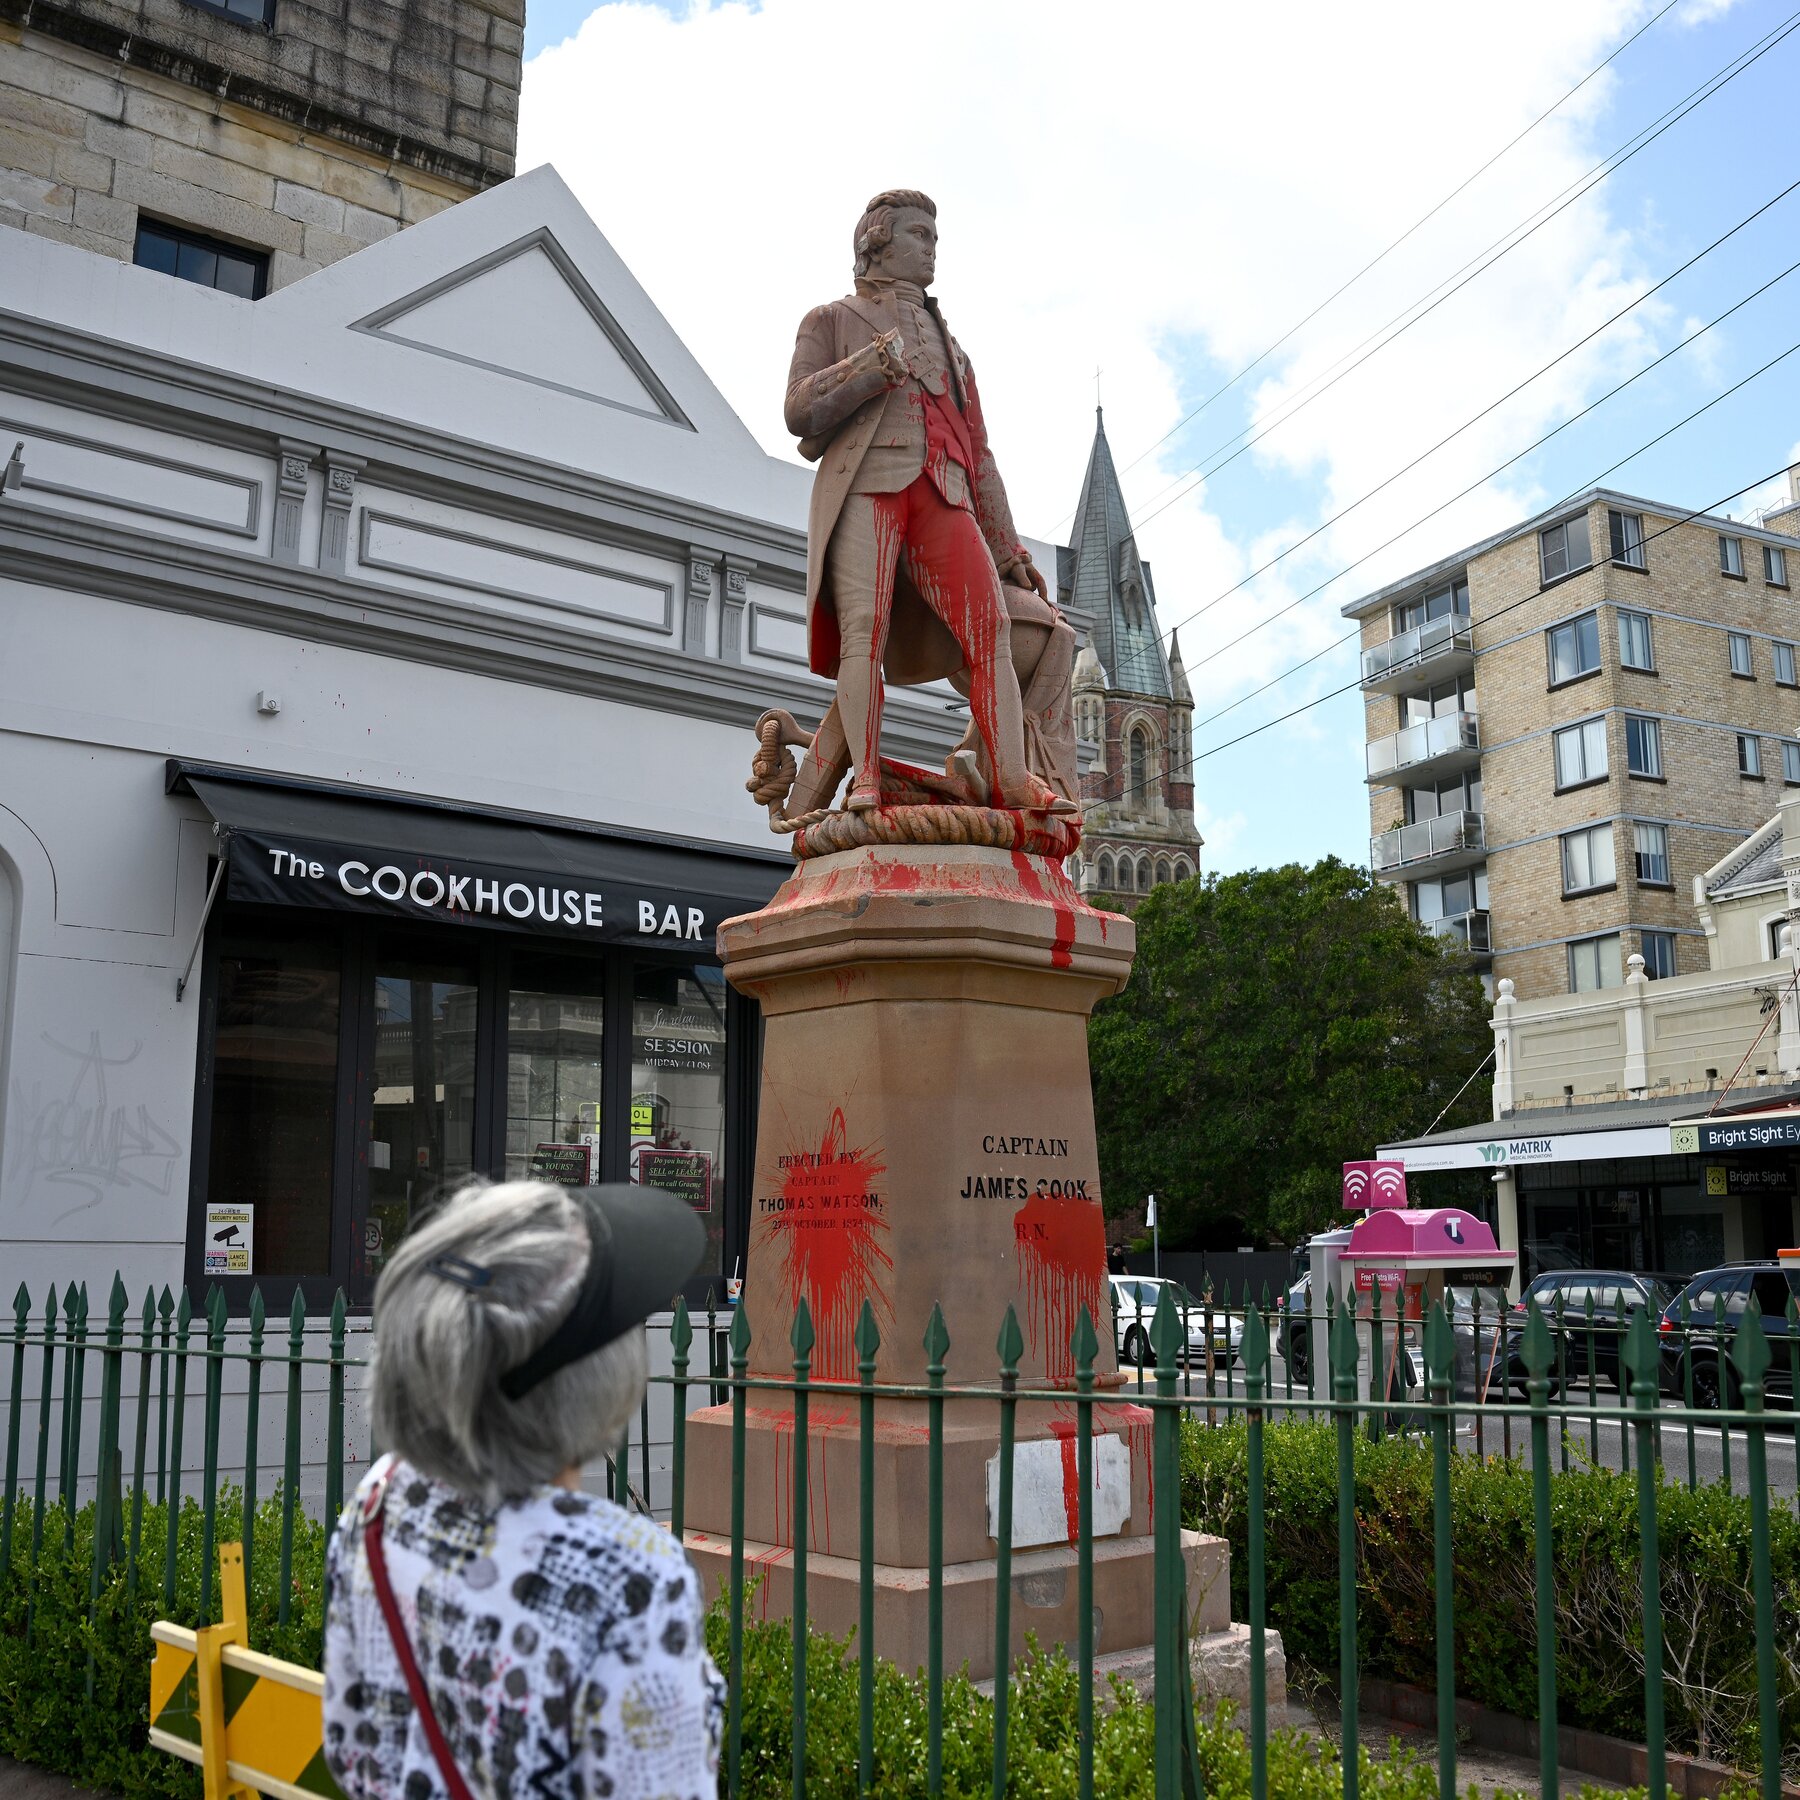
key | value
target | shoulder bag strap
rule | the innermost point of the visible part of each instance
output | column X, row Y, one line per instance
column 403, row 1650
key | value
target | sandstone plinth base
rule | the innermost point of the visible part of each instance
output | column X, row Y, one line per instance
column 1044, row 1585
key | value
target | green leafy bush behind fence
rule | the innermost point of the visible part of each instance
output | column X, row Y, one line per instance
column 1704, row 1533
column 75, row 1696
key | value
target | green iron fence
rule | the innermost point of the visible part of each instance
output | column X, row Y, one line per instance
column 110, row 1405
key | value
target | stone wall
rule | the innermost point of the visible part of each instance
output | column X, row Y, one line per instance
column 345, row 121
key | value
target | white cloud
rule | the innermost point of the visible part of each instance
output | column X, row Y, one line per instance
column 1140, row 188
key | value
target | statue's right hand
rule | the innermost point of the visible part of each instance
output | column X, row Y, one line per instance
column 885, row 357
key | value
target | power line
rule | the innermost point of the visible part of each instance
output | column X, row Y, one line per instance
column 1582, row 488
column 1354, row 358
column 1345, row 286
column 1518, row 388
column 1524, row 599
column 1462, row 493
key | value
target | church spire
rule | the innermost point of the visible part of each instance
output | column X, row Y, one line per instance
column 1111, row 582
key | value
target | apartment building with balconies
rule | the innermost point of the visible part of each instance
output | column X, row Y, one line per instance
column 1569, row 721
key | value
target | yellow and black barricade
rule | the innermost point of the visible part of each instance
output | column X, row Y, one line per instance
column 254, row 1724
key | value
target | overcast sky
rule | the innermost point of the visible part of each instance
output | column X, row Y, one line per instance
column 1162, row 192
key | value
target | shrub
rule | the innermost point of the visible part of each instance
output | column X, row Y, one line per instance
column 1707, row 1599
column 1041, row 1735
column 48, row 1715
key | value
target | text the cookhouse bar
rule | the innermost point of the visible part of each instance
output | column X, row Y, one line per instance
column 395, row 997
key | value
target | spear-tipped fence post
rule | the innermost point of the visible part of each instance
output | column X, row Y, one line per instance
column 1537, row 1353
column 290, row 1459
column 868, row 1346
column 937, row 1347
column 1562, row 1378
column 165, row 1309
column 799, row 1492
column 1009, row 1347
column 1170, row 1574
column 209, row 1480
column 252, row 1414
column 740, row 1364
column 1085, row 1346
column 106, row 1523
column 141, row 1440
column 1343, row 1400
column 1642, row 1361
column 75, row 1306
column 1379, row 1382
column 1752, row 1355
column 45, row 1389
column 1256, row 1369
column 21, row 1324
column 1440, row 1380
column 334, row 1414
column 184, row 1319
column 1793, row 1338
column 681, row 1341
column 1722, row 1381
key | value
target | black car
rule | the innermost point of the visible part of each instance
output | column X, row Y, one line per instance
column 1699, row 1351
column 1562, row 1295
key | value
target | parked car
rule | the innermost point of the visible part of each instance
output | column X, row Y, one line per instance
column 1703, row 1350
column 1563, row 1294
column 1135, row 1300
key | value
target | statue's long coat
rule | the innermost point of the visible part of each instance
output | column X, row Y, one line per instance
column 919, row 647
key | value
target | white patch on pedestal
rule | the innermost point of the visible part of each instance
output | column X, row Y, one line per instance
column 1046, row 1491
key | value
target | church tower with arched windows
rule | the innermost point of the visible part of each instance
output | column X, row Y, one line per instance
column 1132, row 704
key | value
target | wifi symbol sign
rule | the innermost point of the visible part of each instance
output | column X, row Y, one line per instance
column 1368, row 1184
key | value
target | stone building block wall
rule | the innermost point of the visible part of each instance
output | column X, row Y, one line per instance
column 87, row 145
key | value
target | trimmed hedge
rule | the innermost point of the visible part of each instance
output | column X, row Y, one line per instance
column 1704, row 1537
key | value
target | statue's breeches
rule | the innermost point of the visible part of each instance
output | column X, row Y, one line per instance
column 950, row 565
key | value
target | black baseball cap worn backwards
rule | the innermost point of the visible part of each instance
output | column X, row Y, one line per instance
column 643, row 1245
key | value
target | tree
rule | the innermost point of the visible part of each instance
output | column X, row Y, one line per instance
column 1278, row 1024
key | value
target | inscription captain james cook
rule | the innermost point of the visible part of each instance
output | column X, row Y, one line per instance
column 988, row 1184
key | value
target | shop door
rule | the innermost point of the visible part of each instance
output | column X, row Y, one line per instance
column 419, row 1105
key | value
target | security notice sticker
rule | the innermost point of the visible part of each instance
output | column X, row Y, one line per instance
column 230, row 1242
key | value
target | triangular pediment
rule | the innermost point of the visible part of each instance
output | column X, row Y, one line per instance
column 526, row 311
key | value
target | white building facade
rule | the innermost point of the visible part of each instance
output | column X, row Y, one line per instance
column 378, row 662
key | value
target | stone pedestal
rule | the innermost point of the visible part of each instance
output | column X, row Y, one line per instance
column 926, row 1137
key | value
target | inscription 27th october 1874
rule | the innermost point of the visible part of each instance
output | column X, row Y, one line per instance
column 998, row 1184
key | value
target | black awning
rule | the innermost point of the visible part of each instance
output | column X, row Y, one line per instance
column 344, row 849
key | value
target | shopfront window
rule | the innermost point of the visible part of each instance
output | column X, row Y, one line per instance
column 677, row 1118
column 422, row 1115
column 274, row 1103
column 555, row 1019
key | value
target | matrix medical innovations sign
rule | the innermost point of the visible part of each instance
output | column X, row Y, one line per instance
column 366, row 879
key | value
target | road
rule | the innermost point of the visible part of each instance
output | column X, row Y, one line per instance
column 1594, row 1433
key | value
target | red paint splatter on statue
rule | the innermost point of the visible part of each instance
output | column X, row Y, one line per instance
column 830, row 1225
column 1136, row 1424
column 1032, row 873
column 1063, row 1430
column 1061, row 1248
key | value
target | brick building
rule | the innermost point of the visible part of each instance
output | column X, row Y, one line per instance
column 1132, row 704
column 1570, row 721
column 245, row 143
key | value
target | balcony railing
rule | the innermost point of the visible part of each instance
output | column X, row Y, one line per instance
column 1426, row 841
column 1432, row 642
column 1455, row 735
column 1470, row 929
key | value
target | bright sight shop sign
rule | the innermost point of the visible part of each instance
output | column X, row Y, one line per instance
column 365, row 878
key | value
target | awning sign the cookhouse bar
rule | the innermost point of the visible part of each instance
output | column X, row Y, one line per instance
column 338, row 852
column 366, row 878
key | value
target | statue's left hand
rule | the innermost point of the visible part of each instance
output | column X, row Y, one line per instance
column 1025, row 571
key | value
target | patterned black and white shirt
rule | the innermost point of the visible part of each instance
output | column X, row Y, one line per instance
column 560, row 1638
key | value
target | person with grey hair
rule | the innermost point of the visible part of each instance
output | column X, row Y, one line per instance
column 490, row 1629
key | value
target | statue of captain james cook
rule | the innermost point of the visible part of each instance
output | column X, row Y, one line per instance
column 910, row 535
